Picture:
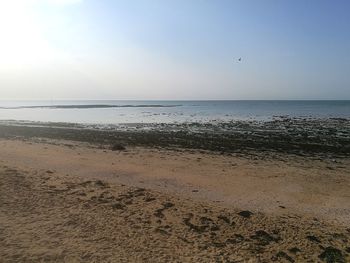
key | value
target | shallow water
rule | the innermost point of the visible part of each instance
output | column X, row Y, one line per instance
column 116, row 112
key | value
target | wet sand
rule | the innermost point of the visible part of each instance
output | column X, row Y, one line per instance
column 307, row 137
column 78, row 202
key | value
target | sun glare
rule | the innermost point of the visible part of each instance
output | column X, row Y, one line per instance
column 22, row 41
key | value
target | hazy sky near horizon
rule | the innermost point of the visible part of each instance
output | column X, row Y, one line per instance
column 179, row 49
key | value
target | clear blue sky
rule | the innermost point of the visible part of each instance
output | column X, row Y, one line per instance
column 106, row 49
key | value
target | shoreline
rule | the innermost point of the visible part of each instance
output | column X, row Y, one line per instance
column 307, row 137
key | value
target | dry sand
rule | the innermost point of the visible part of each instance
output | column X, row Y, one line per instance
column 72, row 202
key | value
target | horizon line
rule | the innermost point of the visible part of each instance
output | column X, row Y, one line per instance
column 82, row 99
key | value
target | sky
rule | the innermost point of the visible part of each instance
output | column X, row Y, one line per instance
column 179, row 49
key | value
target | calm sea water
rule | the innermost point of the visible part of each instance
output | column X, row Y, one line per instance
column 116, row 112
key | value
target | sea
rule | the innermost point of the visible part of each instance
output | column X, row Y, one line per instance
column 127, row 111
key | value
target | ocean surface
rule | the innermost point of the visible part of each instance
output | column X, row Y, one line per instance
column 118, row 112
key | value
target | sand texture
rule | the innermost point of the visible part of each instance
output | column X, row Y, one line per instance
column 73, row 215
column 51, row 218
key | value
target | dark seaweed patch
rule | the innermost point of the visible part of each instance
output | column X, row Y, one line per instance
column 332, row 255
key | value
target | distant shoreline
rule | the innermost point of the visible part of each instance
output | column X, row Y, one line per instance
column 88, row 106
column 125, row 111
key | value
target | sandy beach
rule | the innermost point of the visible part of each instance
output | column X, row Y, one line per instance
column 174, row 131
column 79, row 202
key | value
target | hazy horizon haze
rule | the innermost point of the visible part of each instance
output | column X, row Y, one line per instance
column 174, row 50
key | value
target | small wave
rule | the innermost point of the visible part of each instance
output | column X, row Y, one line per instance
column 91, row 106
